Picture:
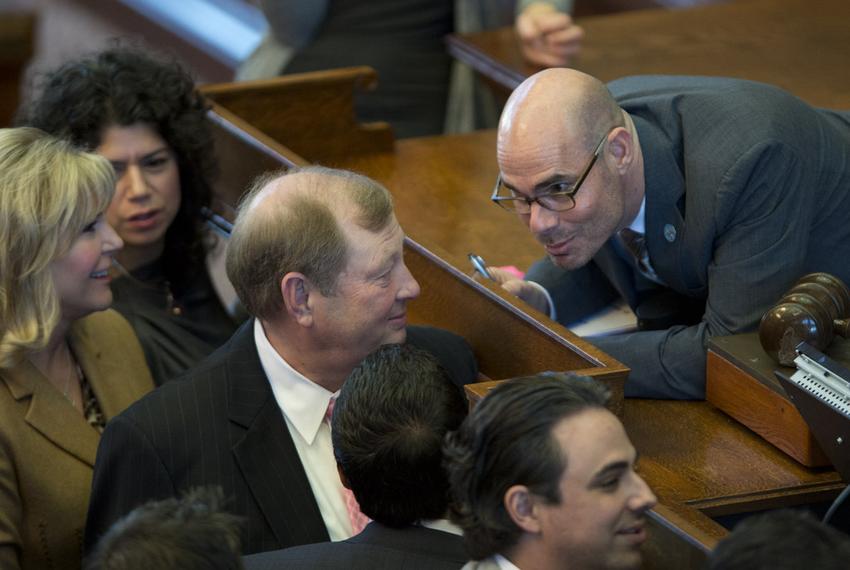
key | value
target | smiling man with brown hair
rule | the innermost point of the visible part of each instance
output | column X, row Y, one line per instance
column 542, row 478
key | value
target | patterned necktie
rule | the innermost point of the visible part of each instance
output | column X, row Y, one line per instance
column 635, row 244
column 357, row 519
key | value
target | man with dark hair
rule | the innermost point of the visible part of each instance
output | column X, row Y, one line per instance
column 782, row 540
column 316, row 256
column 389, row 424
column 542, row 476
column 190, row 533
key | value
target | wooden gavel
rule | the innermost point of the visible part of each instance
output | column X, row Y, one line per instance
column 814, row 310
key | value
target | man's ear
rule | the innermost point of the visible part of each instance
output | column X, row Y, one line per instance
column 520, row 504
column 621, row 146
column 296, row 290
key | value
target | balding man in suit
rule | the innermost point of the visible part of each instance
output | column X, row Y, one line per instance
column 697, row 200
column 316, row 258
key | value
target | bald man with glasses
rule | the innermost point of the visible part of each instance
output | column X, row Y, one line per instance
column 696, row 200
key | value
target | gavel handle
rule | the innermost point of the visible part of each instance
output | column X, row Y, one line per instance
column 841, row 327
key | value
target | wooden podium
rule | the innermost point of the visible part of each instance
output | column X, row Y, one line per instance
column 740, row 381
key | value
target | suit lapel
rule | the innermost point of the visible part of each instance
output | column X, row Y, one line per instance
column 620, row 273
column 666, row 232
column 113, row 386
column 266, row 454
column 51, row 414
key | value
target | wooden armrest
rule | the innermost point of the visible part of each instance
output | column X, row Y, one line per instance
column 311, row 113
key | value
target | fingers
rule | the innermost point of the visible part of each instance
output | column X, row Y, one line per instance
column 501, row 276
column 548, row 38
column 528, row 292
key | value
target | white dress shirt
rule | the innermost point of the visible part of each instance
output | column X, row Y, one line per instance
column 443, row 525
column 304, row 404
column 504, row 563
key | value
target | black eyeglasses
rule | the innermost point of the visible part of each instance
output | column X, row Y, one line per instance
column 558, row 196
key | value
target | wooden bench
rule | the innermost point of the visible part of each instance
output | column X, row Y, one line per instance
column 17, row 44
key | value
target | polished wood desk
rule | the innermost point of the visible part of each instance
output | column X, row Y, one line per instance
column 798, row 45
column 700, row 462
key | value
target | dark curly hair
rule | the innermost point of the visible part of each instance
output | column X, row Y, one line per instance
column 123, row 86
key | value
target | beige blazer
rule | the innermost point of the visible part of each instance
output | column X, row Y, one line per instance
column 47, row 449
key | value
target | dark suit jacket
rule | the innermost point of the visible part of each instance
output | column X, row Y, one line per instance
column 220, row 425
column 378, row 547
column 47, row 448
column 747, row 189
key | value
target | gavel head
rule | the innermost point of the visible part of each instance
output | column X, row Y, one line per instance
column 837, row 290
column 805, row 313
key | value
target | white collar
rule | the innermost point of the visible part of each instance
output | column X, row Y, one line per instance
column 503, row 563
column 301, row 400
column 638, row 225
column 443, row 525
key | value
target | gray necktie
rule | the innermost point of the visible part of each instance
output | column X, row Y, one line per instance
column 635, row 244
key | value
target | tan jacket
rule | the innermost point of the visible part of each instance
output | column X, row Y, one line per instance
column 47, row 449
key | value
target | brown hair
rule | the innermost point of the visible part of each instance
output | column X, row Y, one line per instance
column 299, row 233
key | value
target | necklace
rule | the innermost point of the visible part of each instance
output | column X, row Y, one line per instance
column 164, row 287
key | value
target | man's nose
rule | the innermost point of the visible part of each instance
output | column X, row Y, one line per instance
column 541, row 220
column 410, row 287
column 643, row 498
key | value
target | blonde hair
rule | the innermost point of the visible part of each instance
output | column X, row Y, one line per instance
column 49, row 192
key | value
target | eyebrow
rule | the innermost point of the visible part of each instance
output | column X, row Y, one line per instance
column 542, row 185
column 143, row 157
column 386, row 264
column 615, row 467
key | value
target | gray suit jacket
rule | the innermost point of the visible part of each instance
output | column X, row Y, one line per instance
column 378, row 547
column 747, row 189
column 221, row 425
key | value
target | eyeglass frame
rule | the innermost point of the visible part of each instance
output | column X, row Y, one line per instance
column 536, row 199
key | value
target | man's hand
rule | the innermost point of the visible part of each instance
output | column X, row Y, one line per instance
column 548, row 38
column 531, row 293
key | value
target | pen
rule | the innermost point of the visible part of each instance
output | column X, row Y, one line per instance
column 480, row 266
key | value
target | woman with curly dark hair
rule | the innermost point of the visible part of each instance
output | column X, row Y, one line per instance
column 146, row 117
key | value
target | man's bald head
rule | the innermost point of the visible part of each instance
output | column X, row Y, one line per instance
column 291, row 222
column 563, row 132
column 559, row 106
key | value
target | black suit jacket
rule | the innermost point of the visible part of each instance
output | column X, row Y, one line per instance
column 378, row 547
column 220, row 425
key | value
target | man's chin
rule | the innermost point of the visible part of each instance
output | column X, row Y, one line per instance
column 396, row 337
column 569, row 261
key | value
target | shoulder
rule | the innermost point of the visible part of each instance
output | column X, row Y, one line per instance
column 202, row 386
column 107, row 337
column 718, row 110
column 308, row 556
column 105, row 324
column 452, row 350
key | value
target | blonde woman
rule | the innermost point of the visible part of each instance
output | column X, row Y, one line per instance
column 67, row 364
